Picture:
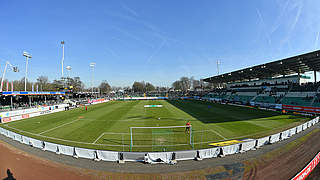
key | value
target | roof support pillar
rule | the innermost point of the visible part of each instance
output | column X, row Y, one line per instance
column 315, row 76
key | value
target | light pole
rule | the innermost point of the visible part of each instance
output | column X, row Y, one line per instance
column 92, row 65
column 62, row 43
column 27, row 55
column 13, row 68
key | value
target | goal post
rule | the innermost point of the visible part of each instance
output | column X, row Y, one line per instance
column 161, row 137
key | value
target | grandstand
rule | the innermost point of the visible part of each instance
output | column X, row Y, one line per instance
column 278, row 82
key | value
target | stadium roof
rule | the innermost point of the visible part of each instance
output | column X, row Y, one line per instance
column 297, row 64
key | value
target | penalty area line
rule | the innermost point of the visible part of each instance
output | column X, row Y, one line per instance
column 98, row 138
column 218, row 134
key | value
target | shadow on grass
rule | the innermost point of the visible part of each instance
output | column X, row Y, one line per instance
column 208, row 112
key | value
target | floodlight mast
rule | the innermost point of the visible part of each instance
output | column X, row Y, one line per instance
column 14, row 69
column 62, row 61
column 28, row 56
column 92, row 65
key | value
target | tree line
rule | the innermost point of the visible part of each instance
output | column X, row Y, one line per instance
column 42, row 83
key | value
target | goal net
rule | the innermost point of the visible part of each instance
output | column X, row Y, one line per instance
column 164, row 138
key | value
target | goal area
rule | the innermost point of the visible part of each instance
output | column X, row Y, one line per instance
column 163, row 138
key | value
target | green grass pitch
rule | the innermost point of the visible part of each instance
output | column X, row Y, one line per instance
column 107, row 125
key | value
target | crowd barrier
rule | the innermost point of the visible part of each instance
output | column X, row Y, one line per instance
column 157, row 157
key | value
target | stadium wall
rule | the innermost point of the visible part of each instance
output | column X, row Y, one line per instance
column 157, row 157
column 41, row 110
column 27, row 113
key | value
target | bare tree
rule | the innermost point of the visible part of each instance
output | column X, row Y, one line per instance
column 105, row 87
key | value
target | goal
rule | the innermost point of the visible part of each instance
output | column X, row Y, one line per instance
column 163, row 138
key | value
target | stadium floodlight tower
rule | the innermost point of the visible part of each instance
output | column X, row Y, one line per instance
column 92, row 66
column 13, row 68
column 28, row 56
column 62, row 60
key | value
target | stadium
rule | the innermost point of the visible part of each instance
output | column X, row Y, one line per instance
column 252, row 121
column 240, row 115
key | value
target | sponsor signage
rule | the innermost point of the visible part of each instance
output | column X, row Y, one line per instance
column 308, row 169
column 301, row 109
column 96, row 100
column 25, row 116
column 26, row 112
column 6, row 93
column 6, row 119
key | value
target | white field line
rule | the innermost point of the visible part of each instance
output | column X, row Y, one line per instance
column 218, row 134
column 59, row 126
column 98, row 138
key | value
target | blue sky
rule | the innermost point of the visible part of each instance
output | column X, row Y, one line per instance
column 155, row 41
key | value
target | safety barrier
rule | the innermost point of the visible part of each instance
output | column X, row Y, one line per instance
column 157, row 157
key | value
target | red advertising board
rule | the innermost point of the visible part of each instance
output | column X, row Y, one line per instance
column 6, row 119
column 25, row 116
column 301, row 108
column 308, row 169
column 95, row 100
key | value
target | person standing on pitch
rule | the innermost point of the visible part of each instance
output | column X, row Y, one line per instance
column 86, row 108
column 188, row 127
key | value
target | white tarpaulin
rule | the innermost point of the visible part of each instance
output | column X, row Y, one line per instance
column 2, row 131
column 108, row 155
column 263, row 141
column 231, row 149
column 248, row 145
column 133, row 156
column 209, row 153
column 185, row 155
column 11, row 134
column 66, row 150
column 293, row 131
column 317, row 119
column 161, row 157
column 314, row 121
column 309, row 123
column 85, row 153
column 299, row 128
column 36, row 143
column 305, row 126
column 274, row 138
column 50, row 147
column 18, row 137
column 285, row 134
column 25, row 140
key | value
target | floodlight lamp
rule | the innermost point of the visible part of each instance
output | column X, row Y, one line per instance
column 26, row 54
